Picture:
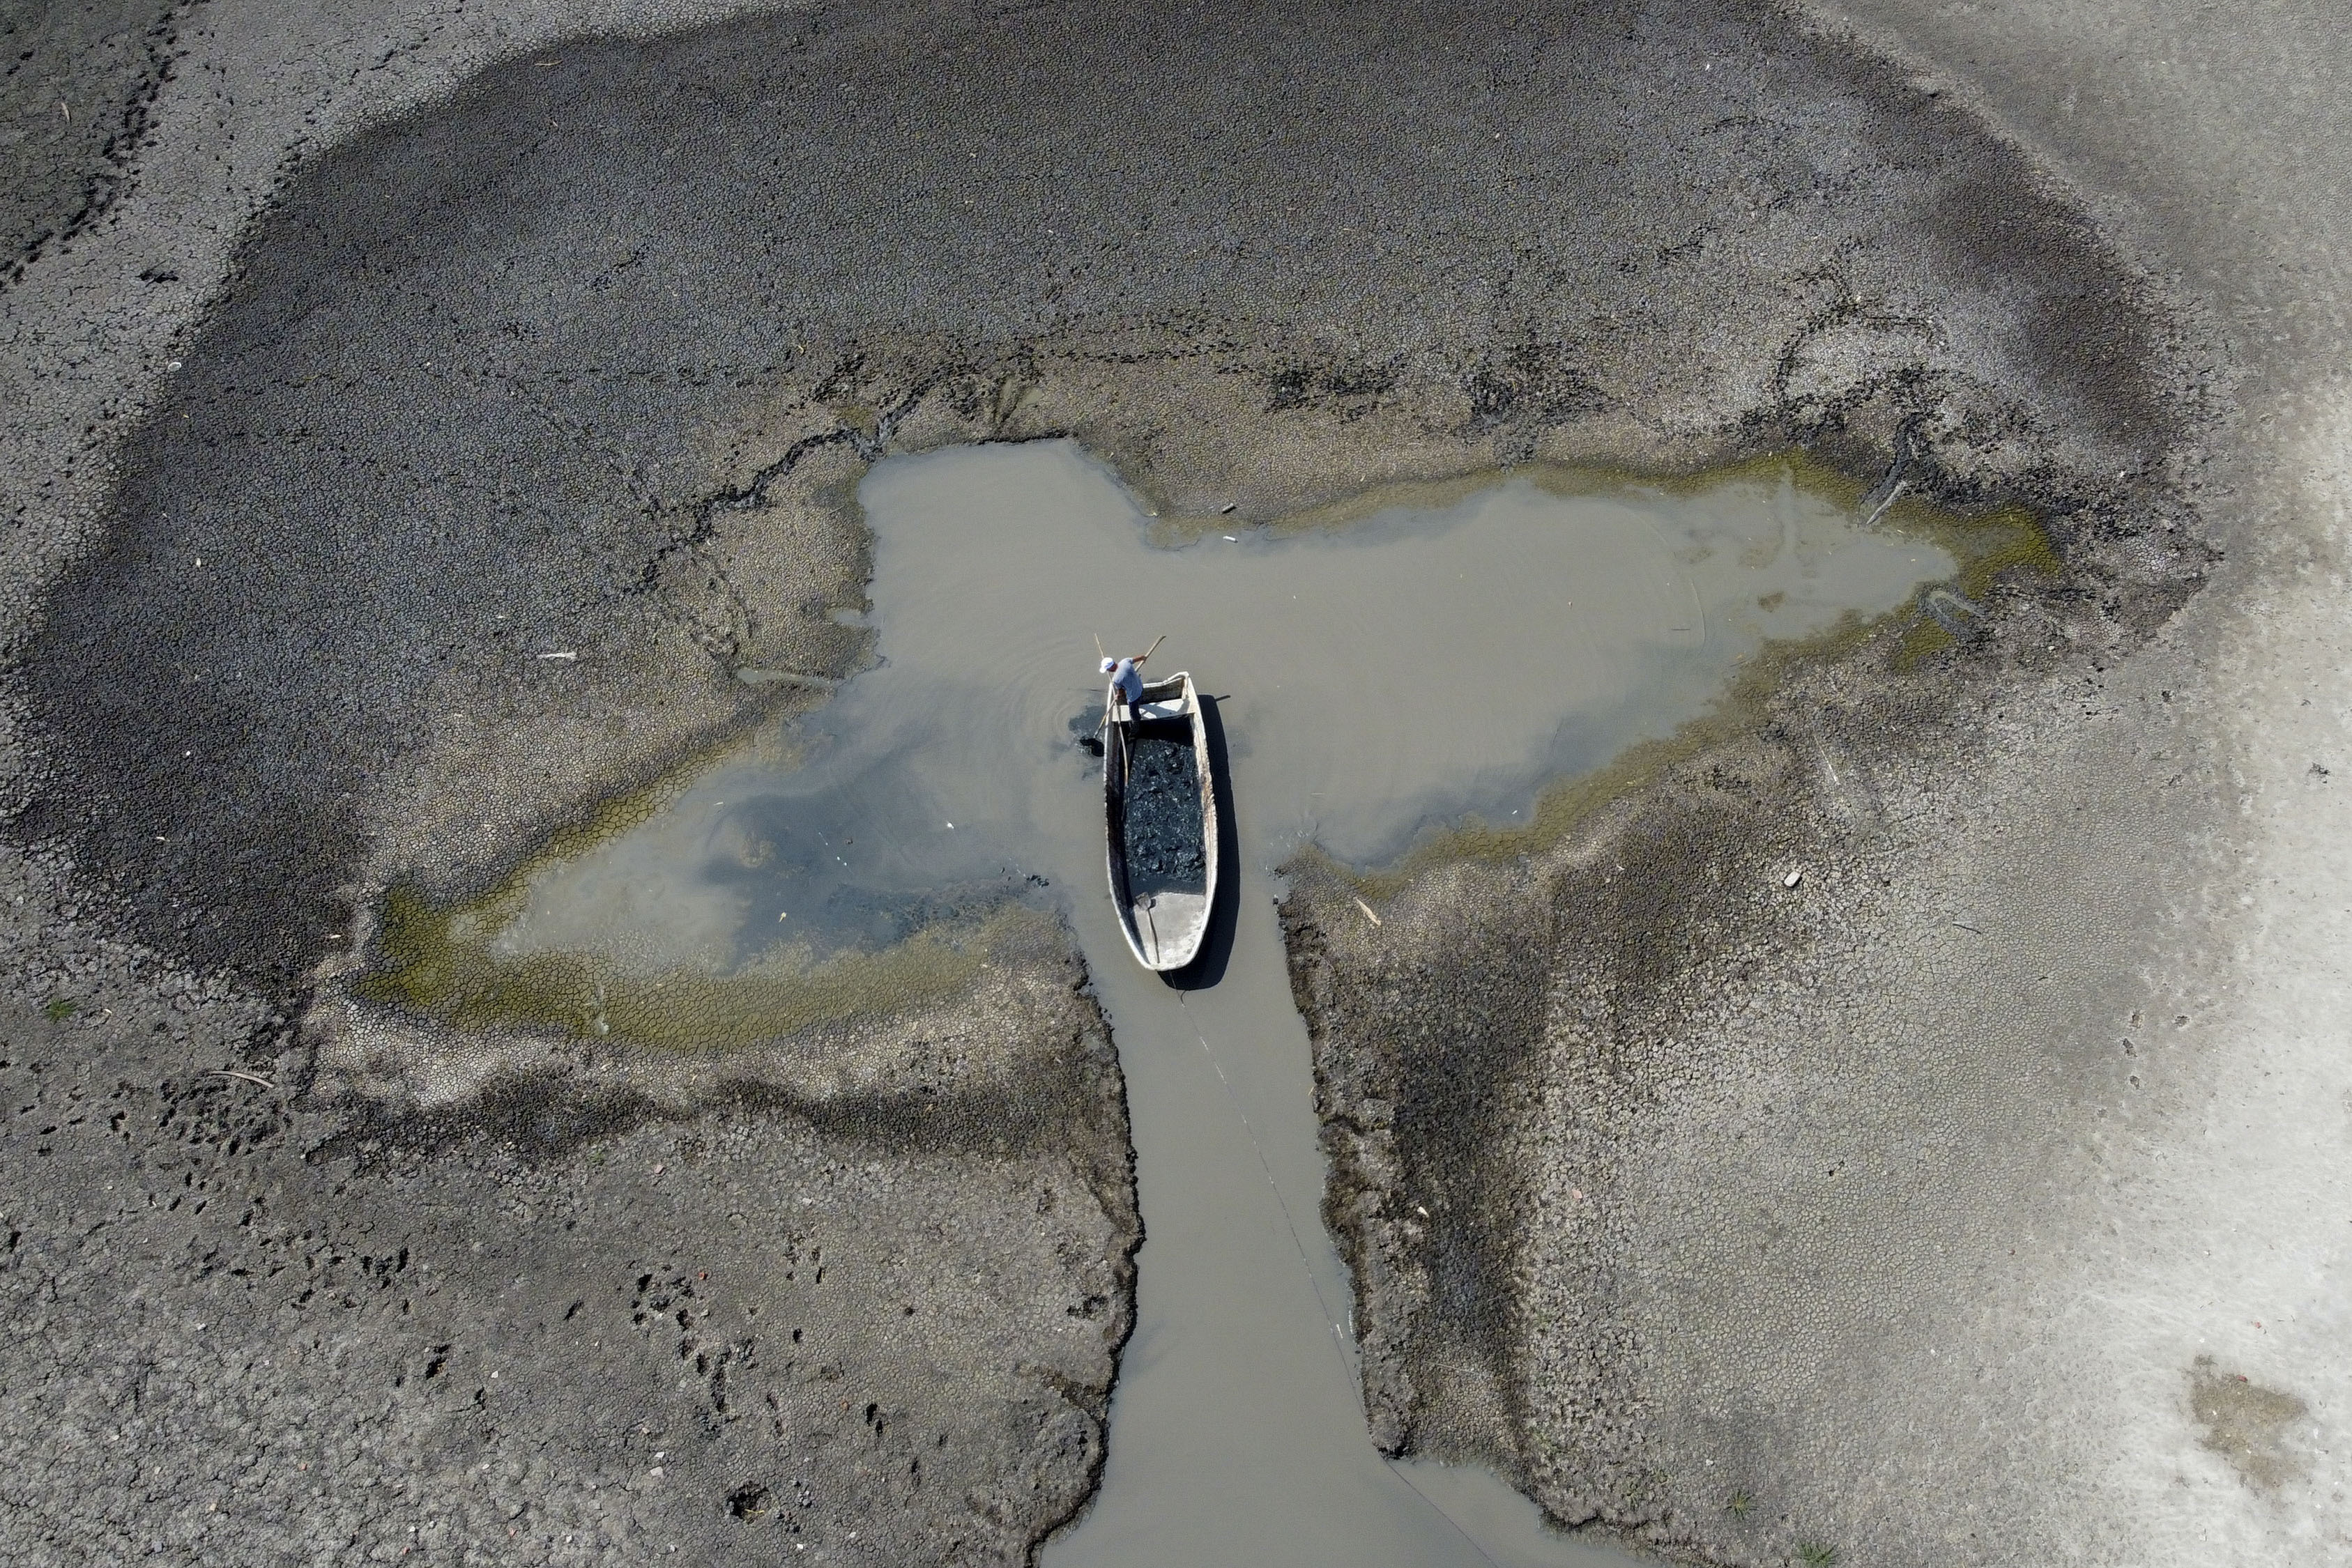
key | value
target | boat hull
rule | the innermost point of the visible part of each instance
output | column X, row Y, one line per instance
column 1161, row 818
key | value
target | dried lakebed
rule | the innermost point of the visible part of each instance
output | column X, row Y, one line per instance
column 1377, row 674
column 1915, row 1199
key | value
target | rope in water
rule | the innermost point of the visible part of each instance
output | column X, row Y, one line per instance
column 1307, row 1264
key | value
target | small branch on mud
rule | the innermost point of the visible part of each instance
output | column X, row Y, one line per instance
column 1892, row 496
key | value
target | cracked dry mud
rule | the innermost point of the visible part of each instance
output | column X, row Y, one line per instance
column 390, row 351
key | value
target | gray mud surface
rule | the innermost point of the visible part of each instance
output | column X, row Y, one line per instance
column 75, row 84
column 417, row 345
column 587, row 1315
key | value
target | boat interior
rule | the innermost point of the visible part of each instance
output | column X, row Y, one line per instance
column 1166, row 905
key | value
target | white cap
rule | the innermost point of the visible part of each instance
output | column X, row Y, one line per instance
column 1109, row 665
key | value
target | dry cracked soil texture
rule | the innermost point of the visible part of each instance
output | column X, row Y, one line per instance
column 1908, row 1119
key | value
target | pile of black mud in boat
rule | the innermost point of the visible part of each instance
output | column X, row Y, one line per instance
column 1162, row 811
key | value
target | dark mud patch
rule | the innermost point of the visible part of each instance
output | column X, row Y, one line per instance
column 2247, row 1424
column 550, row 1116
column 1425, row 1202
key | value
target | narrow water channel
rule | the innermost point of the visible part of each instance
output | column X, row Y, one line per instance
column 1372, row 680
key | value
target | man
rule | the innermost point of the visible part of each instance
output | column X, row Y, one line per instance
column 1127, row 675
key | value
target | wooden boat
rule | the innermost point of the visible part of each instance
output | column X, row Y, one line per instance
column 1162, row 802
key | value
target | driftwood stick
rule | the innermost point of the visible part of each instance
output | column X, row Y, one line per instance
column 1892, row 496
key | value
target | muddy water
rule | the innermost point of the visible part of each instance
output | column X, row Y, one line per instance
column 1371, row 679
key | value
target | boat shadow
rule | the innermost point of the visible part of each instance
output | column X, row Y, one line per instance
column 1217, row 947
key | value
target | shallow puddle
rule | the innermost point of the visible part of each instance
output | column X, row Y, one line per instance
column 1373, row 678
column 1376, row 678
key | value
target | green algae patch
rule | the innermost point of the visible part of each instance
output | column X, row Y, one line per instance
column 1992, row 544
column 1986, row 543
column 440, row 962
column 604, row 822
column 410, row 917
column 443, row 960
column 1568, row 805
column 1989, row 546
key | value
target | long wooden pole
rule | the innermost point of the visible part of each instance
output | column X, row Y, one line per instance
column 1104, row 724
